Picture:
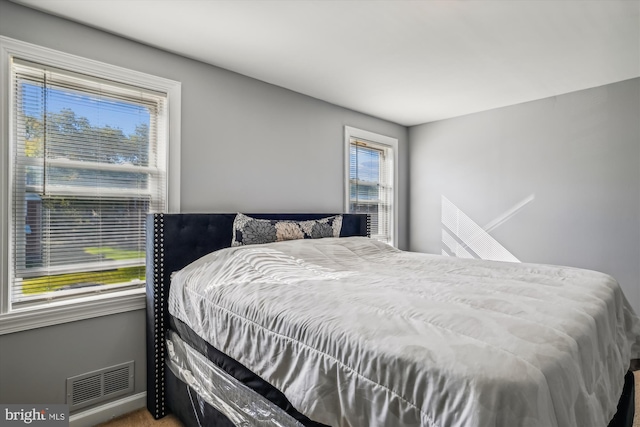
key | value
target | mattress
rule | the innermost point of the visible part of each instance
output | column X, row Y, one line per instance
column 355, row 332
column 220, row 390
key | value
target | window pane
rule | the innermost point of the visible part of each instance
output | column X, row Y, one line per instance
column 50, row 286
column 366, row 163
column 78, row 243
column 370, row 189
column 79, row 231
column 87, row 127
column 86, row 173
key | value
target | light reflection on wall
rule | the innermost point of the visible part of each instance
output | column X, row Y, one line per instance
column 463, row 238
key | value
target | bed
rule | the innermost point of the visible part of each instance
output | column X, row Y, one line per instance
column 307, row 336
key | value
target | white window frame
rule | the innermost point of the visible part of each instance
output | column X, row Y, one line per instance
column 14, row 320
column 387, row 141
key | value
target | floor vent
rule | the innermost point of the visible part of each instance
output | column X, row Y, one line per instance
column 98, row 386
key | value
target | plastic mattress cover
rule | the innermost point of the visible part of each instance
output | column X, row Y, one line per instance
column 230, row 397
column 357, row 333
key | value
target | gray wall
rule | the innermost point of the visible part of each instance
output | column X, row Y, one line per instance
column 34, row 364
column 246, row 146
column 577, row 155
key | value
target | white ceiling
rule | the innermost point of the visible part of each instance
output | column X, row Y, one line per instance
column 409, row 62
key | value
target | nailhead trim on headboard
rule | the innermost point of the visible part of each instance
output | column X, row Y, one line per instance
column 159, row 326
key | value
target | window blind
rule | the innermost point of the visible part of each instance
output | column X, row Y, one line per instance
column 371, row 185
column 88, row 166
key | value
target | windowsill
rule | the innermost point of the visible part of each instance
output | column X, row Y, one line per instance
column 71, row 311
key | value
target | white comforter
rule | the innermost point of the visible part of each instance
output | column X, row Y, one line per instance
column 357, row 333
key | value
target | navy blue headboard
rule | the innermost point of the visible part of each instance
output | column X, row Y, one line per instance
column 174, row 241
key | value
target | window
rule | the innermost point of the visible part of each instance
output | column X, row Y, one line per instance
column 371, row 174
column 87, row 160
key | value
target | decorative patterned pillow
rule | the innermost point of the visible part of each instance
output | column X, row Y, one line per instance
column 253, row 231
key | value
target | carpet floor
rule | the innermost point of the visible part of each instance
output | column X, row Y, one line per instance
column 142, row 417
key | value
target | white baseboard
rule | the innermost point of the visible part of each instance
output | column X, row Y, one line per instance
column 108, row 411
